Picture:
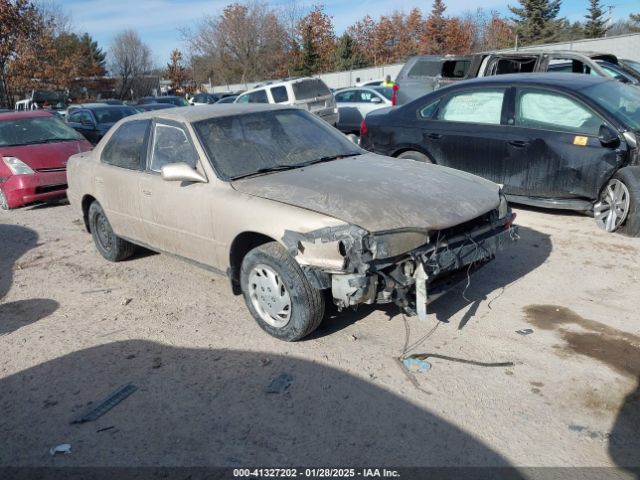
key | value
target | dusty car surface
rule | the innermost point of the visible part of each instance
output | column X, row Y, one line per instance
column 287, row 207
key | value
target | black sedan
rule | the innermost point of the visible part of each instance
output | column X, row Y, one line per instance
column 94, row 120
column 552, row 139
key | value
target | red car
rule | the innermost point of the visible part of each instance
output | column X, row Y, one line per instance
column 34, row 149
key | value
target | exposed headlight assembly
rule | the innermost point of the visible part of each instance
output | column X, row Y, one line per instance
column 387, row 245
column 17, row 166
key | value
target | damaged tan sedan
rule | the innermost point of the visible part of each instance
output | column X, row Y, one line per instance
column 288, row 208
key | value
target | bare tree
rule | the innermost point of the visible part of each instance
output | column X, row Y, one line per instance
column 245, row 42
column 129, row 59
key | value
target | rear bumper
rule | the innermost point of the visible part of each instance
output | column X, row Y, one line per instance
column 21, row 190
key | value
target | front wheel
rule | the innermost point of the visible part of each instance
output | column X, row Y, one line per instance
column 110, row 246
column 278, row 294
column 618, row 208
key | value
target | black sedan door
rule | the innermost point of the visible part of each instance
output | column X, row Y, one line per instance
column 465, row 130
column 554, row 150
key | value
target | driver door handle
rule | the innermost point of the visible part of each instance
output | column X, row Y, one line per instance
column 518, row 143
column 434, row 136
column 146, row 192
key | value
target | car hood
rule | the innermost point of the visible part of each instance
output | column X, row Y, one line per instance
column 380, row 193
column 46, row 155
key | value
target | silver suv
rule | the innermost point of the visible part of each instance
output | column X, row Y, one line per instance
column 311, row 94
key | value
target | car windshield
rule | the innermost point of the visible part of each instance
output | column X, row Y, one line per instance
column 619, row 99
column 243, row 145
column 386, row 92
column 112, row 115
column 29, row 131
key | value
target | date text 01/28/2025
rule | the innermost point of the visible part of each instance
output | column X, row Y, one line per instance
column 315, row 473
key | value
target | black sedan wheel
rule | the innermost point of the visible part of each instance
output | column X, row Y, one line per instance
column 417, row 156
column 110, row 246
column 619, row 206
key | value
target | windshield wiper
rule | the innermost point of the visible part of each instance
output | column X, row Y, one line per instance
column 293, row 166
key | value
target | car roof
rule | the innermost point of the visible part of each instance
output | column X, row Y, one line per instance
column 104, row 106
column 193, row 114
column 279, row 83
column 566, row 81
column 13, row 115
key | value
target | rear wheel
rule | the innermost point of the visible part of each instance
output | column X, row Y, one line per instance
column 110, row 246
column 278, row 294
column 619, row 206
column 417, row 156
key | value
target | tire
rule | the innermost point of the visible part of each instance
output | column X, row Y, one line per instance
column 4, row 203
column 110, row 246
column 417, row 156
column 278, row 294
column 623, row 191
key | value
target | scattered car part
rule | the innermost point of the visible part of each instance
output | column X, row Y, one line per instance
column 96, row 411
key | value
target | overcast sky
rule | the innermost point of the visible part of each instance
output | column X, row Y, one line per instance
column 158, row 21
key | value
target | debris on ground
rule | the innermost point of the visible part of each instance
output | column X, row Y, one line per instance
column 279, row 384
column 424, row 356
column 264, row 362
column 126, row 301
column 157, row 363
column 105, row 429
column 63, row 448
column 415, row 365
column 95, row 412
column 353, row 338
column 524, row 331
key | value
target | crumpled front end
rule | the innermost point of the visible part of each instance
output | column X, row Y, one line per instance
column 407, row 267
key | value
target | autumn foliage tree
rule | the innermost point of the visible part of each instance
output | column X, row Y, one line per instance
column 316, row 30
column 19, row 25
column 176, row 72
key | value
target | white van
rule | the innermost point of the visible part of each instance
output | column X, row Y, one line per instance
column 309, row 93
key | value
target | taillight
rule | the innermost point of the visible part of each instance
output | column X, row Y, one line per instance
column 363, row 128
column 394, row 96
column 507, row 225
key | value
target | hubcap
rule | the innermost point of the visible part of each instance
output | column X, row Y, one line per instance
column 4, row 205
column 269, row 296
column 612, row 209
column 103, row 230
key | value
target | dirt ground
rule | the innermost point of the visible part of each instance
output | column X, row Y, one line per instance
column 74, row 328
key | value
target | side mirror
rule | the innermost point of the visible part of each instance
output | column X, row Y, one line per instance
column 181, row 172
column 376, row 100
column 608, row 136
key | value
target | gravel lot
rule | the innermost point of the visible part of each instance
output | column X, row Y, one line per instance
column 74, row 327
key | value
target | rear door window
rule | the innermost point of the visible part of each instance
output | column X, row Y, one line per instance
column 425, row 68
column 127, row 145
column 259, row 96
column 475, row 106
column 344, row 97
column 280, row 94
column 171, row 144
column 548, row 110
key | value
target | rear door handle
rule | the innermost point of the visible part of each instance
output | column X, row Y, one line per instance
column 146, row 192
column 518, row 143
column 434, row 136
column 99, row 180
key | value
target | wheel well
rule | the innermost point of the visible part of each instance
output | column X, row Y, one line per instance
column 412, row 149
column 241, row 245
column 86, row 203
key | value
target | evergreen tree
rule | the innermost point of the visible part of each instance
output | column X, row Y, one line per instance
column 436, row 26
column 595, row 27
column 345, row 56
column 310, row 56
column 536, row 20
